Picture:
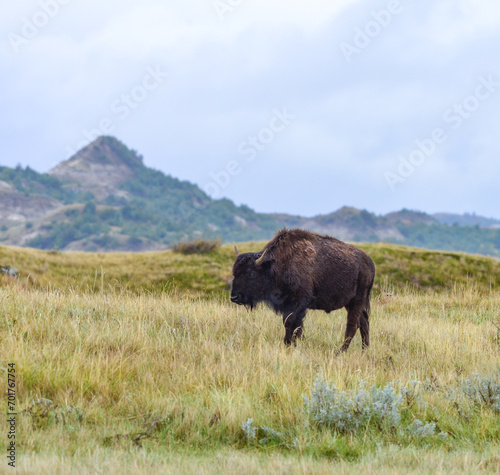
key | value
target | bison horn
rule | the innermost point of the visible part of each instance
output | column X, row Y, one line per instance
column 260, row 260
column 236, row 250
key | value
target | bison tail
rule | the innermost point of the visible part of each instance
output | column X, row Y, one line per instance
column 367, row 302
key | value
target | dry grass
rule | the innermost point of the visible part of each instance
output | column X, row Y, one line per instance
column 390, row 461
column 186, row 372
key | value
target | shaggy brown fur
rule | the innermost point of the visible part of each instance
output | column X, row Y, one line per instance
column 299, row 270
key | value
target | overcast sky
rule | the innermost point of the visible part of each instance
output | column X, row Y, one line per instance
column 286, row 106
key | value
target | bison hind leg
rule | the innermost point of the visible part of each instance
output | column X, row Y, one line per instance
column 354, row 315
column 364, row 328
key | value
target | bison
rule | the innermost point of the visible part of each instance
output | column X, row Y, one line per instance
column 300, row 270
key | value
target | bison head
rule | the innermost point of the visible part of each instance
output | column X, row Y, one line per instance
column 252, row 280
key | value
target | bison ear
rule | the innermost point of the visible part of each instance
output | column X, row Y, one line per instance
column 261, row 259
column 236, row 250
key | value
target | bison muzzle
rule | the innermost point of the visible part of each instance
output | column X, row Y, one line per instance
column 300, row 270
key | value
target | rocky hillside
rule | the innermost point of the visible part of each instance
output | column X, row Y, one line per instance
column 100, row 168
column 105, row 199
column 18, row 207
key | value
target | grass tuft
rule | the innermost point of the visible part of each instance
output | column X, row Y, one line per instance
column 196, row 247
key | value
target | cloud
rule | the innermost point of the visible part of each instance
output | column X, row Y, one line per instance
column 354, row 119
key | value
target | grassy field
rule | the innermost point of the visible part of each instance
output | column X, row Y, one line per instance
column 114, row 376
column 209, row 274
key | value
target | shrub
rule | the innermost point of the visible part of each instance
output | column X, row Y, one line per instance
column 249, row 429
column 483, row 391
column 263, row 434
column 196, row 247
column 347, row 411
column 420, row 430
column 352, row 411
column 44, row 412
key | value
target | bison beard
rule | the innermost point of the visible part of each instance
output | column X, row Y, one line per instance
column 300, row 270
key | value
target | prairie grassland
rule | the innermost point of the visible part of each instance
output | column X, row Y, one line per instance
column 209, row 273
column 122, row 382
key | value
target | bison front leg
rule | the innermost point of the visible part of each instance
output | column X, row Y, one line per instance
column 293, row 323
